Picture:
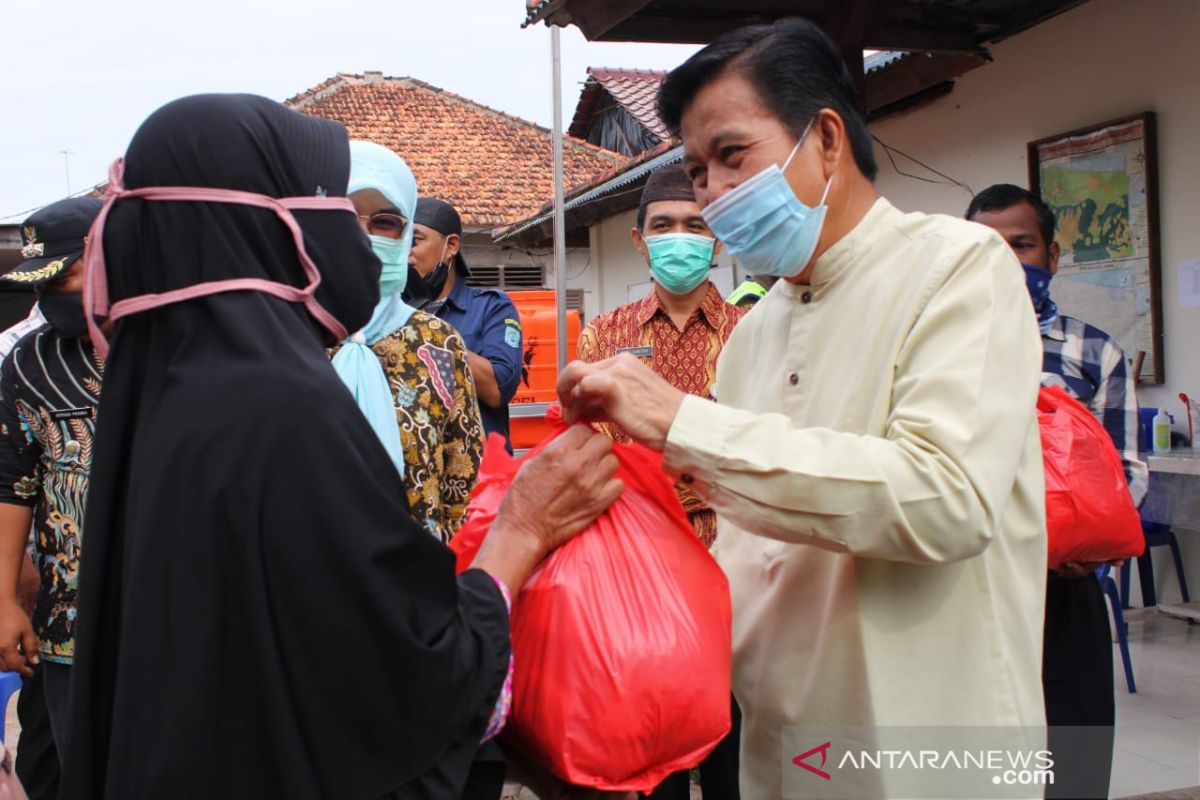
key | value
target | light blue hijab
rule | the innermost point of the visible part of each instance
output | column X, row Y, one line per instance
column 378, row 168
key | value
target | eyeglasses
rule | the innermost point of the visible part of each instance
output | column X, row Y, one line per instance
column 390, row 226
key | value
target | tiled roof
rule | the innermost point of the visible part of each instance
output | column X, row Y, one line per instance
column 635, row 89
column 534, row 9
column 493, row 167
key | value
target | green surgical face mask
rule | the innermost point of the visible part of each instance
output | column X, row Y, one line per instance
column 679, row 262
column 394, row 255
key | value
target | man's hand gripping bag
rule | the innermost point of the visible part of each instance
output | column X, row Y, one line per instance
column 621, row 638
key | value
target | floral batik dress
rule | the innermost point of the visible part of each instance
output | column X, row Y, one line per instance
column 437, row 409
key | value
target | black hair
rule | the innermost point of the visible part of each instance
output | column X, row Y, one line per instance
column 794, row 67
column 1000, row 196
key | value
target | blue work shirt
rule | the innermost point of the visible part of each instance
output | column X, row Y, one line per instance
column 490, row 327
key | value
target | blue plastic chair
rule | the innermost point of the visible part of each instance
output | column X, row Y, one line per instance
column 1109, row 586
column 10, row 682
column 1157, row 535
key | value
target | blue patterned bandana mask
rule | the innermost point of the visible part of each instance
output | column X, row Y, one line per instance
column 1037, row 281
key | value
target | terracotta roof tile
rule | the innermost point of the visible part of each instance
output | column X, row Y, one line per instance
column 493, row 167
column 635, row 89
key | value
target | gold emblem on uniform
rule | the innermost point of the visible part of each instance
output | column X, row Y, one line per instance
column 32, row 248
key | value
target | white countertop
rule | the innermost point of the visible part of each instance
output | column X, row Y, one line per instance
column 1180, row 462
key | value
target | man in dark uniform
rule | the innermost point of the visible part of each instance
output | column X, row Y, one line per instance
column 486, row 318
column 49, row 391
column 488, row 323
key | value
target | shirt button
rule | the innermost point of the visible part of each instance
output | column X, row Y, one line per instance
column 688, row 479
column 806, row 297
column 793, row 379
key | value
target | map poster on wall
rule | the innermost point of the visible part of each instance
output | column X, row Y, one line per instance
column 1102, row 184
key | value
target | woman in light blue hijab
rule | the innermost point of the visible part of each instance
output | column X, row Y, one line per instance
column 408, row 370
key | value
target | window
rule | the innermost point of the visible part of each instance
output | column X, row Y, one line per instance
column 516, row 278
column 508, row 276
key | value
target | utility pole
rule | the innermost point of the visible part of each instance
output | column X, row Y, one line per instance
column 560, row 234
column 66, row 154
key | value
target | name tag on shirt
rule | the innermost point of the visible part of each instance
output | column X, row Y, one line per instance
column 71, row 413
column 645, row 351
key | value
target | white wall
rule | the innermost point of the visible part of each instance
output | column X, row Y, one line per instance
column 582, row 274
column 618, row 264
column 1103, row 60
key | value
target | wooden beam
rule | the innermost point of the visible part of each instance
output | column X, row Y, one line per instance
column 847, row 26
column 658, row 27
column 705, row 22
column 928, row 40
column 893, row 25
column 848, row 21
column 597, row 19
column 653, row 27
column 912, row 102
column 915, row 74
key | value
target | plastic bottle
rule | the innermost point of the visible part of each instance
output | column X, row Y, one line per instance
column 1162, row 432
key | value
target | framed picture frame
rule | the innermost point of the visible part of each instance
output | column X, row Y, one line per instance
column 1102, row 184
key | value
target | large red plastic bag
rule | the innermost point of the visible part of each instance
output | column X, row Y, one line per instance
column 621, row 638
column 1090, row 516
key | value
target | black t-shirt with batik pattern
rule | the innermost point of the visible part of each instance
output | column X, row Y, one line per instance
column 49, row 390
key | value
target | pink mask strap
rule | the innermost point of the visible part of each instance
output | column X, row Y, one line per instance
column 95, row 290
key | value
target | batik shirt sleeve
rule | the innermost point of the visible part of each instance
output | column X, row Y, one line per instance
column 594, row 346
column 462, row 439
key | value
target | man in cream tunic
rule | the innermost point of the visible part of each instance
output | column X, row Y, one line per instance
column 874, row 458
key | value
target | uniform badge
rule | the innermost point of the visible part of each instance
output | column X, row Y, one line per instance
column 32, row 247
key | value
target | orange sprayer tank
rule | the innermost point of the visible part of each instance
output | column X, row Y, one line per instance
column 539, row 361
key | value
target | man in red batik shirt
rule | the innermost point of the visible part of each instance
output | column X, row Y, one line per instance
column 680, row 327
column 678, row 330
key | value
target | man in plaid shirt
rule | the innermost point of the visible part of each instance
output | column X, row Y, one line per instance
column 1077, row 669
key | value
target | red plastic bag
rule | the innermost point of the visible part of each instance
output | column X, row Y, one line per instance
column 621, row 638
column 1090, row 516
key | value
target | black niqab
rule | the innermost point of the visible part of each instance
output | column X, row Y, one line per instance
column 258, row 615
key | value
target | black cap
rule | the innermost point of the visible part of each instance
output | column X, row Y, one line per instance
column 667, row 183
column 441, row 217
column 52, row 238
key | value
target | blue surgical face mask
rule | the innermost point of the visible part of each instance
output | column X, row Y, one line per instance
column 679, row 262
column 394, row 255
column 764, row 224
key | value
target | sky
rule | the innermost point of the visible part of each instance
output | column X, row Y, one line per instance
column 81, row 75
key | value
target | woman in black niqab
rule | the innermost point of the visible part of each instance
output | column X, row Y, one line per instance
column 258, row 615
